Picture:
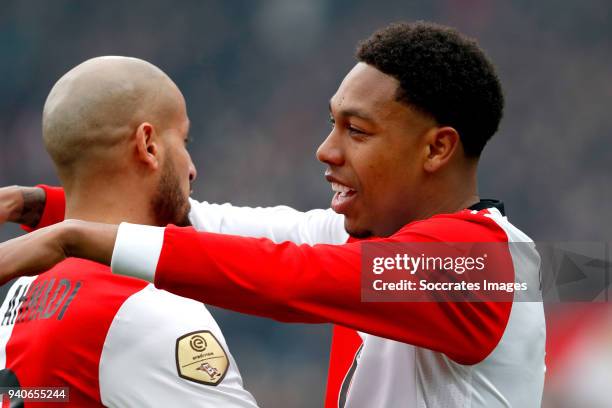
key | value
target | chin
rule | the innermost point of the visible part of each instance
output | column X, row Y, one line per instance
column 356, row 231
column 183, row 220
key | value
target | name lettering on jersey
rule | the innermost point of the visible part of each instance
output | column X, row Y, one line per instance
column 14, row 303
column 201, row 358
column 43, row 299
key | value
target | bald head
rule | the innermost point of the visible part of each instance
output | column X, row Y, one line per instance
column 97, row 106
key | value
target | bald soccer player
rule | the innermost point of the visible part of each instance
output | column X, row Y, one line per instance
column 116, row 129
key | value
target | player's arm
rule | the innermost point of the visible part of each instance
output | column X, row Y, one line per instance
column 316, row 284
column 280, row 223
column 41, row 206
column 168, row 356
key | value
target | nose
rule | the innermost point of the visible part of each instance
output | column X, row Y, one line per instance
column 193, row 173
column 330, row 151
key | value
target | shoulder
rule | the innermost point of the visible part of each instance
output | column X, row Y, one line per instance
column 172, row 348
column 487, row 225
column 152, row 306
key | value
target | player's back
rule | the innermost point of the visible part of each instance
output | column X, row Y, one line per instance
column 114, row 341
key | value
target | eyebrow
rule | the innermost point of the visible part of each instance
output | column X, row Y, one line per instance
column 353, row 112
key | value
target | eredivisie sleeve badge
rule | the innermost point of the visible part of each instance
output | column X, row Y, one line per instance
column 201, row 358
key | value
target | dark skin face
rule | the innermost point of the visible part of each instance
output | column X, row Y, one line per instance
column 381, row 154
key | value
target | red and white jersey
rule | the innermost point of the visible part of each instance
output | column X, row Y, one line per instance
column 481, row 354
column 485, row 355
column 113, row 341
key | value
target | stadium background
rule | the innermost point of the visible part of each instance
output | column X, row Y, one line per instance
column 257, row 77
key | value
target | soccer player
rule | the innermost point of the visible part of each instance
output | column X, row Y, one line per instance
column 116, row 129
column 410, row 121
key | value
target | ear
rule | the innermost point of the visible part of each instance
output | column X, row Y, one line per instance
column 442, row 143
column 147, row 148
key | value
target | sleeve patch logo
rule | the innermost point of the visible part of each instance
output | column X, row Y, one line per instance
column 201, row 358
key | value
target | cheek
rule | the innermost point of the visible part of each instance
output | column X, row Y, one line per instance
column 183, row 161
column 380, row 170
column 369, row 160
column 390, row 180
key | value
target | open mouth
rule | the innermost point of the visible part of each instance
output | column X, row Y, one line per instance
column 342, row 198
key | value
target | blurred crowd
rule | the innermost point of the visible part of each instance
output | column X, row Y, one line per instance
column 257, row 77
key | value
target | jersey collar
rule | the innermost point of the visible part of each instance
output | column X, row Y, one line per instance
column 488, row 203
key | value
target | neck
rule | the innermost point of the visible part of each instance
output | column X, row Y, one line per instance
column 449, row 205
column 452, row 192
column 99, row 203
column 444, row 195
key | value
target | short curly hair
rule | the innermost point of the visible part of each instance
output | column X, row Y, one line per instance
column 441, row 73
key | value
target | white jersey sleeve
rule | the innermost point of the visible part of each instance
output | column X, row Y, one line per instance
column 162, row 350
column 280, row 223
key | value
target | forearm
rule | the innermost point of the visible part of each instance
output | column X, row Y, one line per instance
column 33, row 205
column 35, row 253
column 22, row 205
column 88, row 240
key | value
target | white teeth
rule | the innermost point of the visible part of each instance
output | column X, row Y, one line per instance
column 342, row 189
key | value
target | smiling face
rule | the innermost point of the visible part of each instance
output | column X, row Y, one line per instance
column 375, row 154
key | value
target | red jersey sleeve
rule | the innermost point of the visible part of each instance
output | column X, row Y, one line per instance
column 322, row 284
column 55, row 208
